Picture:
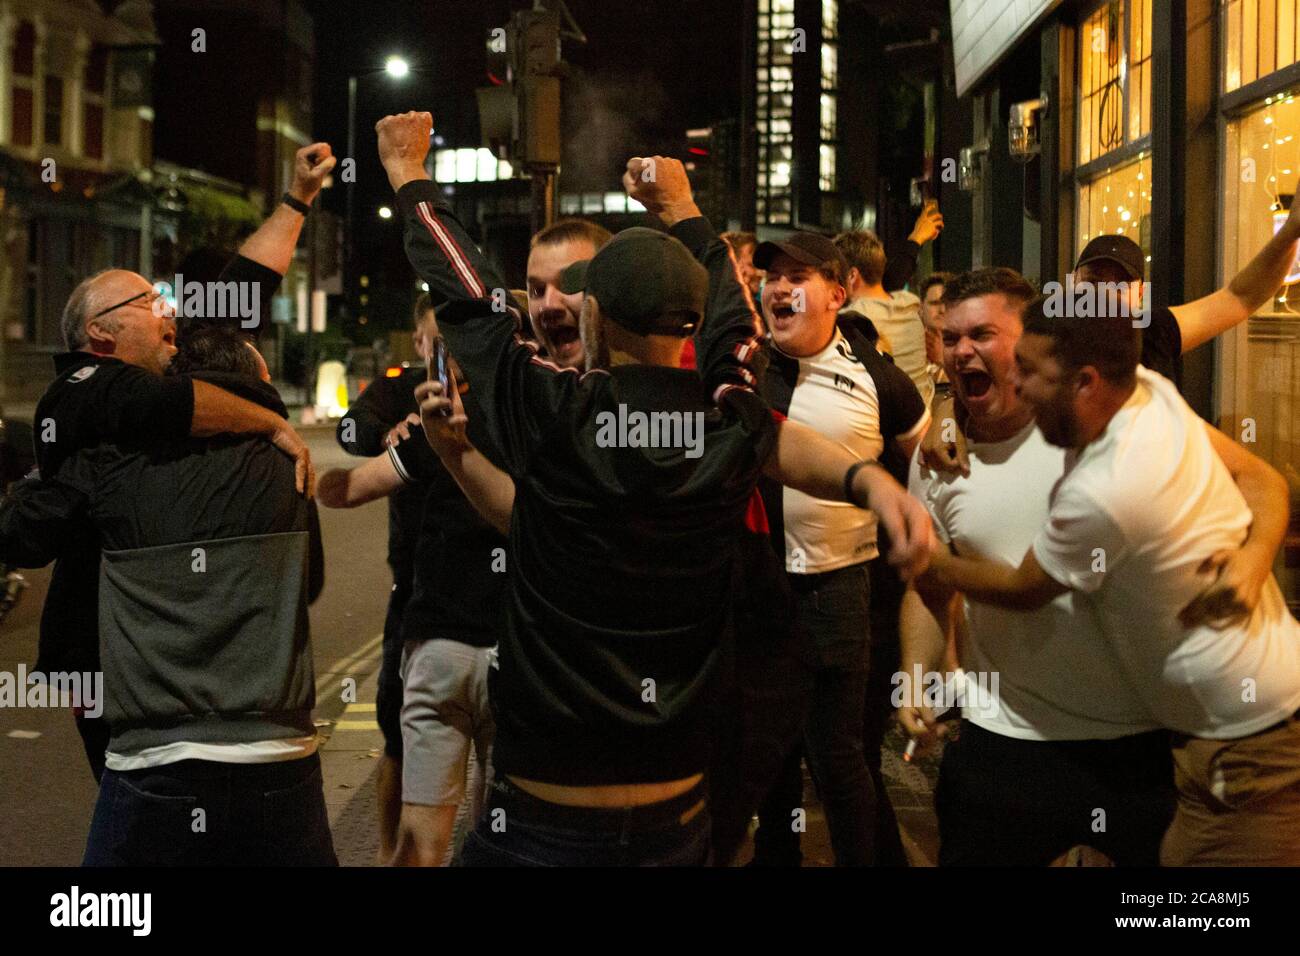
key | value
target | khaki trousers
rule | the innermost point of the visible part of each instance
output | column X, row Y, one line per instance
column 1238, row 800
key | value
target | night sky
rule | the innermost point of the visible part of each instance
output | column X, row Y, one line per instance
column 647, row 73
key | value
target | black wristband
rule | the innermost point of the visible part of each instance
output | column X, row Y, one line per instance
column 852, row 473
column 297, row 205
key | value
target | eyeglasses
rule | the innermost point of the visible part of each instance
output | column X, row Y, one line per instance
column 153, row 296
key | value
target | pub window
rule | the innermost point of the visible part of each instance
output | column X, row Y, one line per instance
column 1259, row 38
column 1258, row 363
column 1113, row 157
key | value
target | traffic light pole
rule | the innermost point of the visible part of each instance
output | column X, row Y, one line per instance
column 543, row 196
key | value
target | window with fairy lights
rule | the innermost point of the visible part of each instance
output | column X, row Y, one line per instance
column 1113, row 154
column 1258, row 362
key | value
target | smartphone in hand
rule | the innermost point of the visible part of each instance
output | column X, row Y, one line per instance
column 436, row 363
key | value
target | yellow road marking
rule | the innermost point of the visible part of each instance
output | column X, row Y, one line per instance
column 334, row 677
column 356, row 725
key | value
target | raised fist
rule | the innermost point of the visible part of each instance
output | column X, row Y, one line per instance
column 659, row 183
column 403, row 144
column 311, row 165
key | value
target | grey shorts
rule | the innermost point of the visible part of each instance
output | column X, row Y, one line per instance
column 445, row 710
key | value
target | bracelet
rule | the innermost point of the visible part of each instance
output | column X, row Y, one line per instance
column 852, row 473
column 297, row 205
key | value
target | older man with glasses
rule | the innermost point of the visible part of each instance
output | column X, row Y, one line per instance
column 121, row 335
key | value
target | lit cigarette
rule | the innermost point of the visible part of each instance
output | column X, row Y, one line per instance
column 951, row 685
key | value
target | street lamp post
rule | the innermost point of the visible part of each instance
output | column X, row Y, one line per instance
column 397, row 68
column 348, row 243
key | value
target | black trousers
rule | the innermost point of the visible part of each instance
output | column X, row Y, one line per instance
column 887, row 590
column 1008, row 802
column 94, row 738
column 388, row 695
column 833, row 612
column 765, row 680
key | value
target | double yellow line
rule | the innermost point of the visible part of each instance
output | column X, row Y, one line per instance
column 344, row 667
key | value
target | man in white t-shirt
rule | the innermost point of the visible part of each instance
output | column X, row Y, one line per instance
column 1148, row 531
column 1063, row 732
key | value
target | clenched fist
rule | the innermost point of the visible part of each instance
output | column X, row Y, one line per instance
column 403, row 144
column 311, row 165
column 659, row 183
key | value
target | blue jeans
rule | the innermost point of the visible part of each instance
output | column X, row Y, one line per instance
column 519, row 829
column 259, row 814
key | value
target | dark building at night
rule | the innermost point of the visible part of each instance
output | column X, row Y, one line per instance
column 844, row 105
column 76, row 129
column 256, row 115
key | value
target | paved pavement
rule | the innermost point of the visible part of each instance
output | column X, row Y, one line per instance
column 47, row 793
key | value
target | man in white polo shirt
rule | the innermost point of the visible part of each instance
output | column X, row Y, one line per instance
column 825, row 373
column 1064, row 733
column 1144, row 523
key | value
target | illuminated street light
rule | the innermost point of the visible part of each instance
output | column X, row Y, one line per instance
column 397, row 68
column 385, row 212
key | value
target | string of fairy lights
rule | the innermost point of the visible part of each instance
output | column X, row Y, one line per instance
column 1274, row 144
column 1125, row 200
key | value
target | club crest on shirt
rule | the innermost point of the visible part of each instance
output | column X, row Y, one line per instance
column 844, row 383
column 843, row 348
column 81, row 374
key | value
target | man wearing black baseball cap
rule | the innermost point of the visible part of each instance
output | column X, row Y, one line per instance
column 649, row 285
column 1175, row 330
column 826, row 373
column 620, row 591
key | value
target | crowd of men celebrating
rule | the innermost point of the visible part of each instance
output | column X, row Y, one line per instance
column 635, row 647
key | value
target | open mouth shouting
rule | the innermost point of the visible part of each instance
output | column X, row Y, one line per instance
column 562, row 338
column 783, row 315
column 976, row 386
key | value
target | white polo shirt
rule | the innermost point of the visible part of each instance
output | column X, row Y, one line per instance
column 1137, row 512
column 860, row 401
column 1057, row 678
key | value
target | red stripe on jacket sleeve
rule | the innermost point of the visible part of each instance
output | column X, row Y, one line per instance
column 460, row 262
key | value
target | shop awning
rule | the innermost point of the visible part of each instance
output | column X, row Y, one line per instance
column 985, row 31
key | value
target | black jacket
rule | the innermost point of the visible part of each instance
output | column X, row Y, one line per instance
column 210, row 557
column 460, row 566
column 384, row 403
column 93, row 400
column 623, row 557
